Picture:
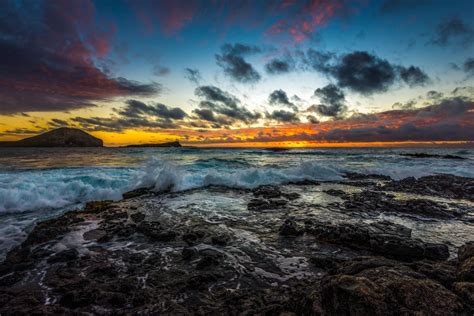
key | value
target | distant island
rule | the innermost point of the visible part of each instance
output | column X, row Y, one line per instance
column 61, row 137
column 169, row 144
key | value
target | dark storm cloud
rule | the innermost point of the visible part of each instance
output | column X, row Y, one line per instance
column 434, row 95
column 134, row 115
column 453, row 31
column 333, row 101
column 363, row 72
column 405, row 132
column 414, row 76
column 205, row 114
column 283, row 116
column 409, row 105
column 58, row 123
column 193, row 75
column 279, row 66
column 279, row 97
column 312, row 119
column 468, row 67
column 224, row 103
column 47, row 55
column 119, row 124
column 136, row 109
column 231, row 59
column 319, row 60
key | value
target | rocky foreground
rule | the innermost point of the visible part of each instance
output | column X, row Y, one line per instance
column 366, row 245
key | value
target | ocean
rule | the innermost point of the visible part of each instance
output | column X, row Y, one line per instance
column 40, row 183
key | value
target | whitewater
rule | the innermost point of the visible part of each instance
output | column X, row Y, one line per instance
column 36, row 184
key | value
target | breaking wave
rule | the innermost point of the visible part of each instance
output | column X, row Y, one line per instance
column 45, row 189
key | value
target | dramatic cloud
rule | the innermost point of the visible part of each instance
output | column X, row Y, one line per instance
column 434, row 95
column 312, row 119
column 448, row 120
column 47, row 58
column 134, row 115
column 363, row 72
column 58, row 123
column 319, row 60
column 283, row 116
column 224, row 104
column 193, row 75
column 279, row 66
column 333, row 101
column 120, row 124
column 414, row 76
column 136, row 109
column 468, row 67
column 235, row 66
column 279, row 97
column 453, row 31
column 409, row 105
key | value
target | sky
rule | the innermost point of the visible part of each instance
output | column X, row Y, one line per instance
column 240, row 72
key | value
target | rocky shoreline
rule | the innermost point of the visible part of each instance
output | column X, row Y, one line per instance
column 367, row 245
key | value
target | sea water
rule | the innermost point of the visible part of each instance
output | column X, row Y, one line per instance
column 39, row 183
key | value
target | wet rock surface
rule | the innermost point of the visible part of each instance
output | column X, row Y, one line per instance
column 448, row 186
column 315, row 249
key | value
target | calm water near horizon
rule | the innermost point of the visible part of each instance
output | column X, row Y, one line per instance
column 43, row 182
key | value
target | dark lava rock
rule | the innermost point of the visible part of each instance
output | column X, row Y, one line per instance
column 189, row 253
column 291, row 196
column 156, row 232
column 64, row 256
column 379, row 202
column 95, row 234
column 444, row 272
column 383, row 289
column 335, row 192
column 466, row 251
column 328, row 262
column 465, row 290
column 361, row 176
column 137, row 217
column 97, row 206
column 135, row 193
column 304, row 182
column 267, row 191
column 442, row 185
column 424, row 155
column 261, row 204
column 385, row 238
column 290, row 228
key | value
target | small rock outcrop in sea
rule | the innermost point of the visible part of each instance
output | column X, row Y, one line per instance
column 61, row 137
column 169, row 144
column 424, row 155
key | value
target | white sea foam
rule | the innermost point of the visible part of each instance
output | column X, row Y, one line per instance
column 52, row 189
column 163, row 176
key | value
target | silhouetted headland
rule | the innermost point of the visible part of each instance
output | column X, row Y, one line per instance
column 61, row 137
